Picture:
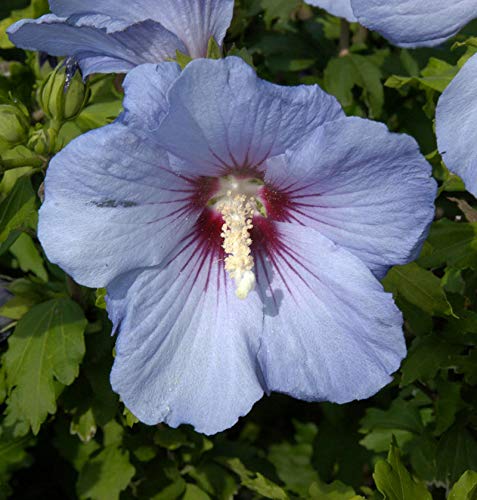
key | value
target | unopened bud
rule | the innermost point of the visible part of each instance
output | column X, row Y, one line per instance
column 62, row 98
column 14, row 125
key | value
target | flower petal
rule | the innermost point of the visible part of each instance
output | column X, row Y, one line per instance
column 330, row 333
column 186, row 351
column 339, row 8
column 193, row 21
column 222, row 115
column 94, row 48
column 145, row 89
column 415, row 23
column 456, row 125
column 112, row 205
column 366, row 189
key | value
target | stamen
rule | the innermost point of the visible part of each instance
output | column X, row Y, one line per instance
column 237, row 211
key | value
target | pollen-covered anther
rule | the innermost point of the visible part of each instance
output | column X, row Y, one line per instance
column 237, row 211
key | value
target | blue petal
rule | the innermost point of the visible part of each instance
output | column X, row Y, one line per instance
column 111, row 205
column 331, row 333
column 94, row 48
column 366, row 189
column 145, row 88
column 186, row 351
column 193, row 21
column 415, row 23
column 456, row 125
column 339, row 8
column 223, row 116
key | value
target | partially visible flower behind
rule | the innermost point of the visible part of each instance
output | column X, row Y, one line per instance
column 115, row 36
column 415, row 23
column 339, row 8
column 239, row 227
column 420, row 23
column 407, row 23
column 456, row 125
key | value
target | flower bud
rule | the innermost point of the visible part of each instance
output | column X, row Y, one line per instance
column 60, row 101
column 42, row 141
column 14, row 125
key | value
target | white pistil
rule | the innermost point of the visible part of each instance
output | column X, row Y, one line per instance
column 237, row 211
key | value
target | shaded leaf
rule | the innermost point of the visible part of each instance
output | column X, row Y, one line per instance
column 394, row 481
column 419, row 287
column 18, row 208
column 47, row 346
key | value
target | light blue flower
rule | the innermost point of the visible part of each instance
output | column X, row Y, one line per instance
column 456, row 125
column 407, row 23
column 115, row 36
column 415, row 23
column 305, row 202
column 339, row 8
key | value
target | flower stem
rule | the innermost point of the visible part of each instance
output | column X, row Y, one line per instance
column 344, row 38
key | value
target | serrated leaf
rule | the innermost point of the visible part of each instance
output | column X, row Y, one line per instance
column 106, row 475
column 215, row 480
column 255, row 481
column 451, row 243
column 344, row 73
column 278, row 9
column 426, row 357
column 465, row 488
column 84, row 426
column 448, row 404
column 456, row 453
column 18, row 208
column 293, row 466
column 419, row 287
column 394, row 481
column 46, row 348
column 334, row 491
column 28, row 256
column 435, row 76
column 400, row 415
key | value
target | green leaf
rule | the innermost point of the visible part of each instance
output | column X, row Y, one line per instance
column 84, row 426
column 451, row 243
column 400, row 415
column 456, row 453
column 28, row 256
column 278, row 9
column 215, row 480
column 293, row 466
column 193, row 492
column 35, row 9
column 182, row 59
column 419, row 287
column 255, row 481
column 427, row 356
column 106, row 475
column 100, row 298
column 214, row 51
column 243, row 53
column 13, row 455
column 448, row 404
column 334, row 491
column 344, row 73
column 436, row 76
column 46, row 347
column 18, row 208
column 394, row 481
column 465, row 488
